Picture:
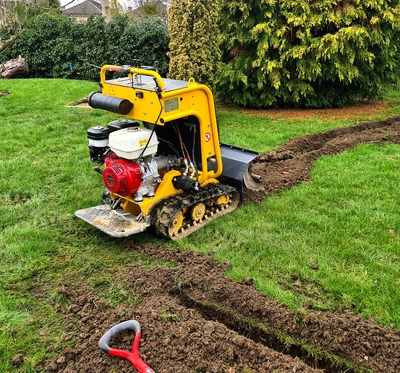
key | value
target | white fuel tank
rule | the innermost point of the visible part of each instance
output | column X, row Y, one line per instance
column 129, row 142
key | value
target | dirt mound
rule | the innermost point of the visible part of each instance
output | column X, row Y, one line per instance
column 175, row 338
column 195, row 319
column 291, row 164
column 83, row 102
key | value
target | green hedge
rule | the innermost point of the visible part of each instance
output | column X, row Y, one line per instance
column 50, row 44
column 308, row 53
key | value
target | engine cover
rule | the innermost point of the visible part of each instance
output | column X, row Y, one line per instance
column 122, row 176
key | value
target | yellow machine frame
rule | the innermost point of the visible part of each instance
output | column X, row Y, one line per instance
column 194, row 100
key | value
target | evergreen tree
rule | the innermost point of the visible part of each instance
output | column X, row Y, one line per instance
column 115, row 7
column 308, row 53
column 194, row 40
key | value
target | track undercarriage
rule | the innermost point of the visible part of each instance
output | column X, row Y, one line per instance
column 179, row 216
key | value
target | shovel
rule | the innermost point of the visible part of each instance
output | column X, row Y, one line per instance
column 132, row 356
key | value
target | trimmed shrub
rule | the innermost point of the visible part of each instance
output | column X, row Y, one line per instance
column 52, row 45
column 308, row 53
column 150, row 39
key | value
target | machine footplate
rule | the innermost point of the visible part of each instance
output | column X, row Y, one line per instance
column 116, row 223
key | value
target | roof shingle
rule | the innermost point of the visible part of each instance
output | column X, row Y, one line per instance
column 86, row 8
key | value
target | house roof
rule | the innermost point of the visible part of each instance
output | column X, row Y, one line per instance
column 162, row 9
column 86, row 8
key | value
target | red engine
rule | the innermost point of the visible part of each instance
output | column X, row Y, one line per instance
column 122, row 176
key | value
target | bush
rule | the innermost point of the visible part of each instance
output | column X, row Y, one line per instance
column 194, row 42
column 5, row 33
column 313, row 54
column 50, row 44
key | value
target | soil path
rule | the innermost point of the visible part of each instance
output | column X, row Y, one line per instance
column 291, row 164
column 195, row 319
column 175, row 338
column 359, row 109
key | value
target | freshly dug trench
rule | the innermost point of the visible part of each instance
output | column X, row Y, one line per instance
column 362, row 342
column 291, row 164
column 195, row 319
column 175, row 339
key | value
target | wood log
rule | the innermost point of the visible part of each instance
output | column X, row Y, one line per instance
column 14, row 68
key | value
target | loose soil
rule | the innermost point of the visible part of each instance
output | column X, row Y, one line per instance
column 195, row 319
column 83, row 102
column 291, row 164
column 360, row 109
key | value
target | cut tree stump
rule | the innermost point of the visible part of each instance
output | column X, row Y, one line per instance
column 14, row 68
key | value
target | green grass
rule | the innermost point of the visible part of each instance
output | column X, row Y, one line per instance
column 342, row 221
column 345, row 219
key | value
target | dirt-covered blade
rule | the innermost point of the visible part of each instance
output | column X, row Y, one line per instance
column 235, row 172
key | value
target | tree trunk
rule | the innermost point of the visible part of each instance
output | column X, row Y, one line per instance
column 13, row 68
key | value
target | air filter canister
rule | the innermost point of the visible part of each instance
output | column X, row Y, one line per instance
column 98, row 143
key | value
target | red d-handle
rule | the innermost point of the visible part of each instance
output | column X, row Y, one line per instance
column 133, row 356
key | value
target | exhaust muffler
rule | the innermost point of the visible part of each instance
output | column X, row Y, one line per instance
column 114, row 104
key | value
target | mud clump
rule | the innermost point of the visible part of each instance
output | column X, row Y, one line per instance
column 194, row 318
column 291, row 164
column 362, row 342
column 17, row 360
column 83, row 102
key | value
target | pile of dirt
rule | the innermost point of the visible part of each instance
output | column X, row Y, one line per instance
column 83, row 102
column 291, row 164
column 175, row 338
column 195, row 319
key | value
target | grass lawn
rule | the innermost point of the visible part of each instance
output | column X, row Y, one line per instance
column 345, row 220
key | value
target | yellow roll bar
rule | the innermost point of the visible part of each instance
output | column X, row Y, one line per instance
column 133, row 70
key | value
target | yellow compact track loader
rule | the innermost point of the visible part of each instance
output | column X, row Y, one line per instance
column 162, row 165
